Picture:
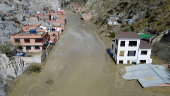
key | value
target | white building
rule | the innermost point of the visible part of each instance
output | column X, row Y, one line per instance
column 128, row 48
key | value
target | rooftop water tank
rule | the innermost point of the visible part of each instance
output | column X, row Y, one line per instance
column 32, row 31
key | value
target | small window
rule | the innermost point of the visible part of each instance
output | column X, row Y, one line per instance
column 131, row 53
column 120, row 61
column 143, row 52
column 142, row 61
column 121, row 53
column 116, row 41
column 27, row 40
column 112, row 46
column 37, row 47
column 122, row 44
column 38, row 40
column 132, row 43
column 17, row 40
column 115, row 51
column 28, row 47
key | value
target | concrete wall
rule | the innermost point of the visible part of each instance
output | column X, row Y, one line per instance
column 127, row 48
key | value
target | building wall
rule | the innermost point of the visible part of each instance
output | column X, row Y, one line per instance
column 128, row 59
column 32, row 49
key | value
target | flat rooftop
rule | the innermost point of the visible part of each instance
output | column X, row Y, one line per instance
column 28, row 33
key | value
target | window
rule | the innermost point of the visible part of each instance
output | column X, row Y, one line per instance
column 143, row 52
column 53, row 29
column 28, row 47
column 37, row 47
column 131, row 53
column 116, row 41
column 122, row 44
column 115, row 51
column 112, row 46
column 27, row 40
column 38, row 40
column 121, row 53
column 132, row 43
column 142, row 61
column 120, row 61
column 17, row 40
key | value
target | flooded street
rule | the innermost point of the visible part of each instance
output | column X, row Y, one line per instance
column 79, row 65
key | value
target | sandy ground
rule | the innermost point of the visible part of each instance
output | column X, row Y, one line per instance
column 79, row 65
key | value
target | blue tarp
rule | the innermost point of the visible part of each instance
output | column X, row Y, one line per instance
column 20, row 54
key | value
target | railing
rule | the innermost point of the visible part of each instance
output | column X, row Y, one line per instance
column 46, row 52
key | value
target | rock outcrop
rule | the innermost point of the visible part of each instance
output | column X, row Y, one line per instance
column 10, row 69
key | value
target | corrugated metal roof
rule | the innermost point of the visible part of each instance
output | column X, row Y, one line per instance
column 148, row 74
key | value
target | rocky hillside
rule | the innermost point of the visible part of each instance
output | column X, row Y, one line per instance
column 148, row 16
column 11, row 20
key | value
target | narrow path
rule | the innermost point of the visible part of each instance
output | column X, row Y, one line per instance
column 78, row 66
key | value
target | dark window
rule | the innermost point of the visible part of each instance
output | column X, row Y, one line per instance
column 37, row 47
column 27, row 40
column 120, row 61
column 115, row 51
column 38, row 40
column 142, row 61
column 112, row 46
column 116, row 41
column 143, row 52
column 28, row 47
column 131, row 53
column 17, row 40
column 122, row 44
column 53, row 29
column 132, row 43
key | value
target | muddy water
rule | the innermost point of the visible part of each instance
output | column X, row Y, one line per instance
column 79, row 65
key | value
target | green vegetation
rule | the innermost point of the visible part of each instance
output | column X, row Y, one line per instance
column 35, row 68
column 16, row 21
column 123, row 4
column 110, row 11
column 147, row 15
column 50, row 82
column 19, row 0
column 112, row 34
column 64, row 4
column 122, row 26
column 129, row 29
column 103, row 22
column 6, row 3
column 157, row 19
column 5, row 49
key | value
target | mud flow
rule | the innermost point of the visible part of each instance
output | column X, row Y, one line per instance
column 79, row 65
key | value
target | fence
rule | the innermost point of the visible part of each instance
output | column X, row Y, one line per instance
column 46, row 52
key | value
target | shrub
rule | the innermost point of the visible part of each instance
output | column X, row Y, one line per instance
column 5, row 49
column 6, row 3
column 110, row 11
column 19, row 0
column 147, row 15
column 16, row 21
column 112, row 34
column 50, row 82
column 35, row 68
column 103, row 22
column 152, row 19
column 122, row 26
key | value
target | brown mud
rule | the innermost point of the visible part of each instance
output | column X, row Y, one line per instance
column 79, row 65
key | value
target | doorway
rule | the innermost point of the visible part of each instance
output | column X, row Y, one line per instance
column 128, row 61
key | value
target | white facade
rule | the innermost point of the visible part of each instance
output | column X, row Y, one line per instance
column 123, row 54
